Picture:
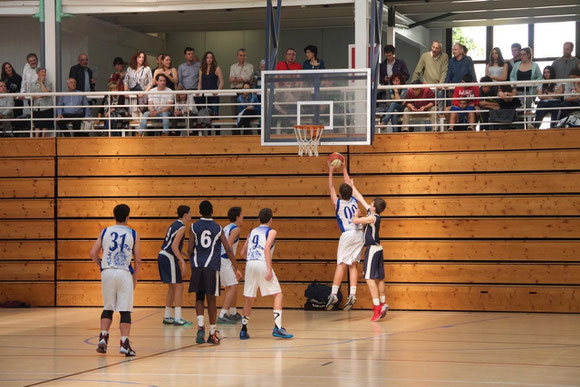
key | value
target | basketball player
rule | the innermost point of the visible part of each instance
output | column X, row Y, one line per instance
column 206, row 238
column 258, row 251
column 172, row 265
column 119, row 244
column 227, row 275
column 350, row 243
column 373, row 267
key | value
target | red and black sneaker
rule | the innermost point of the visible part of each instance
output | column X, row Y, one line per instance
column 214, row 338
column 103, row 341
column 126, row 349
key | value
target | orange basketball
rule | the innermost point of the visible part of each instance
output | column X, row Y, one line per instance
column 336, row 160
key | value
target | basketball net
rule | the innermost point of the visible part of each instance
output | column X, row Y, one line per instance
column 308, row 138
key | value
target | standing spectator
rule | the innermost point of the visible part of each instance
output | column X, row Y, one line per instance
column 29, row 77
column 392, row 65
column 312, row 62
column 432, row 67
column 13, row 83
column 571, row 94
column 169, row 72
column 258, row 75
column 159, row 61
column 113, row 107
column 248, row 105
column 566, row 63
column 516, row 49
column 465, row 101
column 6, row 111
column 488, row 100
column 459, row 65
column 526, row 70
column 496, row 68
column 160, row 104
column 548, row 100
column 67, row 108
column 188, row 72
column 40, row 104
column 419, row 99
column 138, row 76
column 83, row 74
column 211, row 79
column 396, row 106
column 290, row 62
column 118, row 76
column 241, row 71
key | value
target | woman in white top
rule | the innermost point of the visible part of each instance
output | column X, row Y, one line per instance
column 138, row 76
column 496, row 68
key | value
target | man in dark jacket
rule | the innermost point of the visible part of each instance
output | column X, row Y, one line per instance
column 83, row 74
column 392, row 65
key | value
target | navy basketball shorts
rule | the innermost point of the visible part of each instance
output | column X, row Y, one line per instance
column 204, row 280
column 373, row 267
column 169, row 269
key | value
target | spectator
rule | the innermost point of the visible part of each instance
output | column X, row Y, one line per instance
column 419, row 99
column 488, row 100
column 138, row 77
column 6, row 110
column 68, row 107
column 432, row 66
column 571, row 95
column 248, row 105
column 40, row 104
column 211, row 79
column 13, row 83
column 119, row 75
column 526, row 70
column 184, row 107
column 516, row 50
column 459, row 65
column 169, row 72
column 312, row 62
column 496, row 68
column 396, row 106
column 160, row 105
column 392, row 65
column 241, row 71
column 290, row 62
column 465, row 101
column 29, row 76
column 83, row 74
column 114, row 109
column 547, row 93
column 159, row 61
column 188, row 72
column 566, row 63
column 508, row 103
column 258, row 75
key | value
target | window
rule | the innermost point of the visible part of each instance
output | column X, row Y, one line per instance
column 473, row 38
column 504, row 36
column 549, row 38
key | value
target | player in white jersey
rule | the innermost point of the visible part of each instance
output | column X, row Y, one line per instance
column 227, row 274
column 119, row 244
column 258, row 250
column 351, row 240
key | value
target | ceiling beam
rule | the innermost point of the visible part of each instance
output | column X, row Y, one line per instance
column 450, row 6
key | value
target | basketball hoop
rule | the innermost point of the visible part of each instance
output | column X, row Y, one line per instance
column 308, row 138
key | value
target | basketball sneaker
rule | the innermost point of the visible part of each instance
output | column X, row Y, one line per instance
column 200, row 339
column 235, row 317
column 181, row 322
column 225, row 320
column 126, row 349
column 244, row 335
column 384, row 309
column 168, row 320
column 214, row 339
column 281, row 333
column 376, row 313
column 332, row 299
column 103, row 341
column 350, row 301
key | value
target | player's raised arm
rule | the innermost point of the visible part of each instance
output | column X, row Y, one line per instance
column 268, row 253
column 358, row 196
column 94, row 253
column 333, row 197
column 175, row 248
column 230, row 254
column 357, row 219
column 137, row 256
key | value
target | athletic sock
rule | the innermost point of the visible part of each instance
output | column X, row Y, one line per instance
column 223, row 313
column 233, row 311
column 376, row 302
column 383, row 299
column 211, row 329
column 167, row 311
column 123, row 338
column 334, row 291
column 104, row 333
column 278, row 318
column 245, row 321
column 200, row 321
column 353, row 290
column 178, row 313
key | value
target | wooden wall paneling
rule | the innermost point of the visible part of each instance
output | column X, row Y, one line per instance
column 27, row 167
column 34, row 293
column 27, row 208
column 27, row 250
column 27, row 229
column 27, row 147
column 27, row 188
column 27, row 271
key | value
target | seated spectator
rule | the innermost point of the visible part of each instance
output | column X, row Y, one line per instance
column 113, row 106
column 40, row 105
column 169, row 72
column 391, row 66
column 248, row 105
column 571, row 95
column 396, row 105
column 13, row 83
column 258, row 75
column 160, row 105
column 496, row 68
column 312, row 62
column 508, row 103
column 241, row 71
column 119, row 75
column 549, row 101
column 465, row 100
column 290, row 62
column 68, row 108
column 526, row 70
column 184, row 107
column 419, row 99
column 488, row 101
column 6, row 111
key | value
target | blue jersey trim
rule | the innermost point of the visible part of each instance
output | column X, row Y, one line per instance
column 340, row 224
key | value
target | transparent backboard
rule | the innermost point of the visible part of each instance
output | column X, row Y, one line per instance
column 338, row 99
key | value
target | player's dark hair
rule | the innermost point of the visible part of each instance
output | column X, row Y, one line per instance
column 205, row 208
column 380, row 205
column 182, row 210
column 234, row 213
column 265, row 215
column 121, row 212
column 345, row 191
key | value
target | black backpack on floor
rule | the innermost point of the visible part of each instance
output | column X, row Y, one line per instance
column 317, row 295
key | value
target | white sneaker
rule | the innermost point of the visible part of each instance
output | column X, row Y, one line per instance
column 332, row 299
column 349, row 302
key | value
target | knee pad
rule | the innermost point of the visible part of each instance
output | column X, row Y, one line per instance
column 107, row 314
column 199, row 296
column 125, row 317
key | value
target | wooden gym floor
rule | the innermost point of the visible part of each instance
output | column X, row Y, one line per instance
column 56, row 346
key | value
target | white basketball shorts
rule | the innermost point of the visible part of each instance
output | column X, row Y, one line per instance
column 227, row 273
column 350, row 247
column 117, row 288
column 255, row 278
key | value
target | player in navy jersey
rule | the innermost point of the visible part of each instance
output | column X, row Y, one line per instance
column 119, row 244
column 172, row 265
column 227, row 275
column 373, row 266
column 258, row 250
column 206, row 238
column 350, row 243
